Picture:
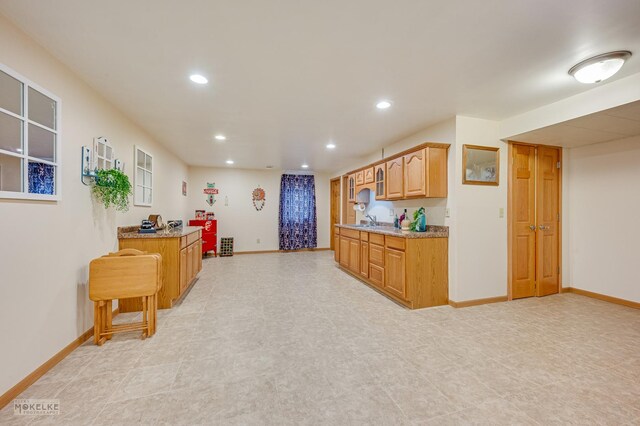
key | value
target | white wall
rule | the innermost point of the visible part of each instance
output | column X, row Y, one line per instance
column 238, row 218
column 46, row 246
column 603, row 218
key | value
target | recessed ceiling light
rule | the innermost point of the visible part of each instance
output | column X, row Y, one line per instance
column 383, row 104
column 229, row 161
column 200, row 79
column 220, row 137
column 305, row 166
column 599, row 68
column 331, row 146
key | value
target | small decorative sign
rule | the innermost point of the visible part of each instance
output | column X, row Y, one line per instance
column 259, row 198
column 211, row 191
column 184, row 188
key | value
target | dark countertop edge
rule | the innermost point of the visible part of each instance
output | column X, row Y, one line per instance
column 131, row 232
column 433, row 231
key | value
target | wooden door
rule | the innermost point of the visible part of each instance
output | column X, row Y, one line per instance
column 335, row 208
column 414, row 171
column 395, row 178
column 354, row 256
column 548, row 220
column 380, row 172
column 344, row 252
column 395, row 272
column 364, row 259
column 523, row 208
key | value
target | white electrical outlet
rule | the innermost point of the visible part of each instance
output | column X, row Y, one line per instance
column 447, row 212
column 501, row 212
column 391, row 213
column 258, row 240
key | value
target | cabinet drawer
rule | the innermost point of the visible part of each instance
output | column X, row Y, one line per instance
column 193, row 237
column 364, row 236
column 394, row 242
column 376, row 275
column 376, row 255
column 350, row 233
column 376, row 239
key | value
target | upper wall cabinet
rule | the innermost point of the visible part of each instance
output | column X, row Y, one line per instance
column 395, row 178
column 425, row 173
column 360, row 178
column 351, row 186
column 368, row 176
column 380, row 172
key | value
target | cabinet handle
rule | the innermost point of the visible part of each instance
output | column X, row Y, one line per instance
column 532, row 227
column 542, row 227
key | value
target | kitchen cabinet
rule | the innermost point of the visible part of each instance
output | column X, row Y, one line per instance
column 425, row 173
column 414, row 172
column 369, row 175
column 360, row 178
column 395, row 272
column 395, row 179
column 411, row 271
column 336, row 244
column 380, row 173
column 181, row 252
column 351, row 188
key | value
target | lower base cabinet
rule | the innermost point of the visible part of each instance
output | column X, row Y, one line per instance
column 411, row 271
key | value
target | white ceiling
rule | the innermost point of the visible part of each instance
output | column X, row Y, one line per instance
column 611, row 124
column 288, row 76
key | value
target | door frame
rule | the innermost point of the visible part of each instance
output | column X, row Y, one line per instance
column 510, row 145
column 332, row 206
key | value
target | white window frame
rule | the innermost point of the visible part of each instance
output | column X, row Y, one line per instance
column 24, row 157
column 107, row 160
column 137, row 202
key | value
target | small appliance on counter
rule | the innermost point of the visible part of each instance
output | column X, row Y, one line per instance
column 146, row 227
column 172, row 224
column 156, row 219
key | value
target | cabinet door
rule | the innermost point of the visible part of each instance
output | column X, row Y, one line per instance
column 368, row 176
column 376, row 255
column 336, row 248
column 199, row 255
column 189, row 263
column 395, row 178
column 195, row 255
column 351, row 185
column 414, row 174
column 354, row 256
column 344, row 252
column 436, row 172
column 376, row 275
column 360, row 177
column 364, row 259
column 183, row 270
column 395, row 273
column 380, row 173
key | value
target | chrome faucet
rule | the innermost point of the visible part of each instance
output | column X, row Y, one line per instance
column 372, row 220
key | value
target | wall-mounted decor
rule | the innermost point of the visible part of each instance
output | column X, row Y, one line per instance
column 259, row 198
column 210, row 191
column 112, row 188
column 184, row 188
column 480, row 165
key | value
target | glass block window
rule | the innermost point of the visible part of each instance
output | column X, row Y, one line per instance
column 143, row 178
column 29, row 139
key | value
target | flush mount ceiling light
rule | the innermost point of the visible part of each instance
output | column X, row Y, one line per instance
column 599, row 68
column 305, row 166
column 229, row 161
column 331, row 145
column 220, row 137
column 383, row 104
column 197, row 78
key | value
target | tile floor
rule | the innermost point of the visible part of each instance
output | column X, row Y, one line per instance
column 290, row 339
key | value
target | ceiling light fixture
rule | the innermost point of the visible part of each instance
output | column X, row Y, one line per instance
column 305, row 166
column 229, row 161
column 383, row 104
column 220, row 137
column 599, row 68
column 331, row 146
column 200, row 79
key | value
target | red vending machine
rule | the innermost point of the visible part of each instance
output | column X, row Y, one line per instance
column 209, row 234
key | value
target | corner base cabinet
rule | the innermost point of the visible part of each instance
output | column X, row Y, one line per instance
column 411, row 271
column 181, row 252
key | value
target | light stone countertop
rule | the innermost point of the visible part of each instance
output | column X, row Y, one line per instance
column 432, row 231
column 127, row 232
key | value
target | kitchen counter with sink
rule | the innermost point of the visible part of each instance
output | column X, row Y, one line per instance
column 432, row 231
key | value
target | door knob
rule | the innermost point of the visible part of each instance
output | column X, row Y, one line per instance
column 532, row 227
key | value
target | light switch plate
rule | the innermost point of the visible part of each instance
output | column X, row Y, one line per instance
column 391, row 213
column 447, row 212
column 501, row 212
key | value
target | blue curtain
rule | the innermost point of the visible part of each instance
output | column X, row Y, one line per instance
column 298, row 224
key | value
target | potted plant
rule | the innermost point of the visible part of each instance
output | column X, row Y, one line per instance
column 112, row 187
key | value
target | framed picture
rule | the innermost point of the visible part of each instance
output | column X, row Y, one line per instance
column 480, row 165
column 184, row 188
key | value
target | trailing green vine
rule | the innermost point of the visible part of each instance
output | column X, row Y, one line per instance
column 112, row 188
